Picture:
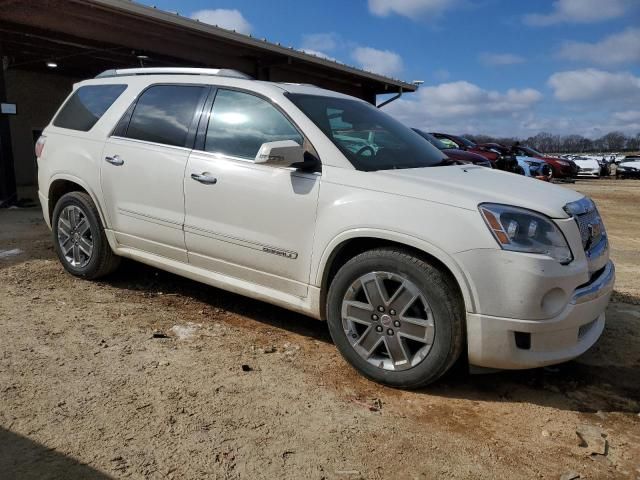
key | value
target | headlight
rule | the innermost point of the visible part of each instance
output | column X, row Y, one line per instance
column 532, row 163
column 521, row 230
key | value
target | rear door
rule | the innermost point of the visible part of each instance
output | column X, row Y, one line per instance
column 143, row 168
column 249, row 221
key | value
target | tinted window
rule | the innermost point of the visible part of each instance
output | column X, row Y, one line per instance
column 439, row 144
column 87, row 104
column 369, row 138
column 448, row 143
column 164, row 114
column 240, row 123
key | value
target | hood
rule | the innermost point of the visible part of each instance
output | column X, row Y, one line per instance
column 632, row 164
column 457, row 154
column 587, row 162
column 467, row 186
column 555, row 159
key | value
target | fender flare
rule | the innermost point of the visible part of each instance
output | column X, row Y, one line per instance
column 466, row 287
column 86, row 187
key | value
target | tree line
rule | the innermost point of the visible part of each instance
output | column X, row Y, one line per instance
column 548, row 142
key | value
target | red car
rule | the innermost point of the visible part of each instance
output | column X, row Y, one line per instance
column 455, row 153
column 453, row 141
column 561, row 168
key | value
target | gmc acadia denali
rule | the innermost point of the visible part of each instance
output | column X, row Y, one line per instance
column 320, row 203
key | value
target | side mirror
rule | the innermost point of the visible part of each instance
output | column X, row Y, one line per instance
column 283, row 153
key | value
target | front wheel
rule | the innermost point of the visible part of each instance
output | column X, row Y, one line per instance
column 396, row 318
column 79, row 238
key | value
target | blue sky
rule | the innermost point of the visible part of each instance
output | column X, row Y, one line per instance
column 500, row 67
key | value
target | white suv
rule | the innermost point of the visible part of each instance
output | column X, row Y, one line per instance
column 320, row 203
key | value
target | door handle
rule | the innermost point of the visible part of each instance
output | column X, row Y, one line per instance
column 204, row 178
column 115, row 160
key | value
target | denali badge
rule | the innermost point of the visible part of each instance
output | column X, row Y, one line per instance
column 281, row 253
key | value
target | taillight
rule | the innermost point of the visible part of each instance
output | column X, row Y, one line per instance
column 40, row 145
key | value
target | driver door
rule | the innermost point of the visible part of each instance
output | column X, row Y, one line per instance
column 253, row 222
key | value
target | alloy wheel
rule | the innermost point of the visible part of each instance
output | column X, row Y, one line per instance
column 388, row 321
column 74, row 236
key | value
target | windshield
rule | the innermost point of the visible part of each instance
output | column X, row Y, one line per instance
column 370, row 139
column 532, row 151
column 439, row 144
column 467, row 143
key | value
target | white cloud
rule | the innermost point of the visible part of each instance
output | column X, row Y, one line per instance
column 410, row 8
column 591, row 84
column 229, row 19
column 623, row 47
column 499, row 59
column 383, row 62
column 462, row 106
column 579, row 11
column 627, row 116
column 318, row 54
column 321, row 42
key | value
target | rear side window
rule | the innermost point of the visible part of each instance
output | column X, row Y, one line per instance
column 240, row 123
column 87, row 104
column 165, row 113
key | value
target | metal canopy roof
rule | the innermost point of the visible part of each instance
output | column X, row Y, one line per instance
column 85, row 37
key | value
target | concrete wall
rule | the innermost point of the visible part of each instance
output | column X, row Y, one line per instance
column 38, row 96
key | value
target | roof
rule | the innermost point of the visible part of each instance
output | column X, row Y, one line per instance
column 249, row 40
column 147, row 76
column 86, row 37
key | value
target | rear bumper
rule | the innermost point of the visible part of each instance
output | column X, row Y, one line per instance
column 44, row 203
column 492, row 340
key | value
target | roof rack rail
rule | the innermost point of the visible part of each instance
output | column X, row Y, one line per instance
column 220, row 72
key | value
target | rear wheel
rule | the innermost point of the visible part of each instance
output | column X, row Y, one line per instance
column 79, row 238
column 397, row 319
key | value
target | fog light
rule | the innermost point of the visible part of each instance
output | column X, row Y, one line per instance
column 554, row 302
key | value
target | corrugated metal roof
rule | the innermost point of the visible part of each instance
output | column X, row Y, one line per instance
column 175, row 19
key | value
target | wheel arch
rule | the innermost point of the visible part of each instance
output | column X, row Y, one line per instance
column 352, row 243
column 63, row 184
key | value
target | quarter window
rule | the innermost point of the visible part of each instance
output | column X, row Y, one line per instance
column 240, row 123
column 165, row 113
column 87, row 104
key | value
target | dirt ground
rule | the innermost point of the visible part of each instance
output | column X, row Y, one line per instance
column 148, row 375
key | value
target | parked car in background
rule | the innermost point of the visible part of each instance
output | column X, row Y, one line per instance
column 455, row 153
column 562, row 168
column 265, row 189
column 461, row 143
column 534, row 167
column 629, row 167
column 588, row 167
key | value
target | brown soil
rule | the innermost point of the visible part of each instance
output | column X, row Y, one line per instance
column 141, row 375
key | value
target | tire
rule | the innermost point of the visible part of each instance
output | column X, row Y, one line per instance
column 75, row 224
column 438, row 309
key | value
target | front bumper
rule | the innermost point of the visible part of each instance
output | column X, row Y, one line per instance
column 589, row 173
column 492, row 340
column 628, row 173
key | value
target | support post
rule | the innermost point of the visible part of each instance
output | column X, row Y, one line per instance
column 8, row 192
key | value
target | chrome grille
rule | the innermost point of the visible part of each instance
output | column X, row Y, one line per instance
column 591, row 228
column 589, row 223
